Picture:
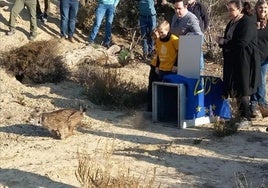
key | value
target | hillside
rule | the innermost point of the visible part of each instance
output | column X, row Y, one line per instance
column 190, row 158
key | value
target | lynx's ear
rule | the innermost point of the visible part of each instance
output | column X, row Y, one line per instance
column 41, row 119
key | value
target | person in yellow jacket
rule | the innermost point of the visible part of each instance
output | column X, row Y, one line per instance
column 167, row 46
column 164, row 60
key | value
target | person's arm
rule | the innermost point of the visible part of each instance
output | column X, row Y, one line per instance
column 166, row 3
column 176, row 46
column 194, row 27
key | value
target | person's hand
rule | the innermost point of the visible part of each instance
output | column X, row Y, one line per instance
column 220, row 40
column 174, row 69
column 258, row 25
column 157, row 70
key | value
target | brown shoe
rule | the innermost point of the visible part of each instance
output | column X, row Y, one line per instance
column 264, row 110
column 71, row 39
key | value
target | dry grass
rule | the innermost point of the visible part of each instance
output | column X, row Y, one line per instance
column 106, row 86
column 242, row 181
column 227, row 127
column 98, row 170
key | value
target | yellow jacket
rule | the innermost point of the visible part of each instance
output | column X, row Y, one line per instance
column 167, row 52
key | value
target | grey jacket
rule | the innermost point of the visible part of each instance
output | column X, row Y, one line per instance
column 188, row 24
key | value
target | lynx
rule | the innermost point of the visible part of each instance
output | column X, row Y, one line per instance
column 61, row 123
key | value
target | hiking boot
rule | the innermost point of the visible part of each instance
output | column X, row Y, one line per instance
column 32, row 37
column 71, row 39
column 44, row 19
column 63, row 37
column 10, row 32
column 107, row 45
column 264, row 110
column 40, row 16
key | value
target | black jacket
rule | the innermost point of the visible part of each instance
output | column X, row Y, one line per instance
column 200, row 11
column 263, row 43
column 241, row 68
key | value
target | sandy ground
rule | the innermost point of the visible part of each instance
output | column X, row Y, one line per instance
column 191, row 157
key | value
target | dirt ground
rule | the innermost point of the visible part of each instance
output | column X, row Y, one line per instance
column 191, row 157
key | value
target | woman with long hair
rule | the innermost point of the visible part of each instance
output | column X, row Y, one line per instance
column 241, row 68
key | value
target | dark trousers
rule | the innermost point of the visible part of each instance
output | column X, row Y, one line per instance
column 46, row 8
column 244, row 107
column 153, row 77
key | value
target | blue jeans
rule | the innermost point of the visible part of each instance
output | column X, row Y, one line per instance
column 107, row 11
column 260, row 96
column 147, row 24
column 68, row 12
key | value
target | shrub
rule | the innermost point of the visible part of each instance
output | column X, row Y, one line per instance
column 106, row 86
column 86, row 16
column 36, row 62
column 225, row 128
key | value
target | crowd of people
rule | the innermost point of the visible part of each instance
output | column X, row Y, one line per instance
column 244, row 43
column 68, row 17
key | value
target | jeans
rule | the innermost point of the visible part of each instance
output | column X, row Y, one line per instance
column 68, row 12
column 107, row 11
column 147, row 24
column 260, row 96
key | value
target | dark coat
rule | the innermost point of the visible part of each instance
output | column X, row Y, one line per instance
column 201, row 13
column 241, row 70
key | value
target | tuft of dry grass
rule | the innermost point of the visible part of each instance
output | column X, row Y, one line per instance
column 36, row 62
column 98, row 171
column 241, row 181
column 225, row 128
